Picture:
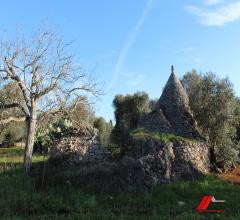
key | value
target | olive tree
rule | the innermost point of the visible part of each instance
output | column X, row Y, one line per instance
column 214, row 106
column 128, row 110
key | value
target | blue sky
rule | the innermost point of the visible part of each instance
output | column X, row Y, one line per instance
column 131, row 44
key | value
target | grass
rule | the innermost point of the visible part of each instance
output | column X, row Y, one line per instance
column 21, row 199
column 167, row 137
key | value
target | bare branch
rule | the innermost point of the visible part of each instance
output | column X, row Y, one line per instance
column 7, row 106
column 46, row 90
column 12, row 74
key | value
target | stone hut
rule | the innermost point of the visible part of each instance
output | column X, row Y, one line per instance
column 149, row 159
column 172, row 113
column 186, row 154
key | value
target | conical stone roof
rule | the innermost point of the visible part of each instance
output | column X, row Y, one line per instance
column 173, row 106
column 173, row 94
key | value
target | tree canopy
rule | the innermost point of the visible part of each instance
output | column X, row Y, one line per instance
column 214, row 105
column 128, row 110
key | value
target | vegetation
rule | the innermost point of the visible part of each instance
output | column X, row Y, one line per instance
column 45, row 137
column 104, row 130
column 216, row 110
column 42, row 95
column 142, row 133
column 22, row 199
column 128, row 110
column 43, row 72
column 12, row 132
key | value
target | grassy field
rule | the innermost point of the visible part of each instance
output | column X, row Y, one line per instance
column 21, row 199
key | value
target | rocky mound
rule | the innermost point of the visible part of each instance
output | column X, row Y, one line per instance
column 147, row 163
column 79, row 144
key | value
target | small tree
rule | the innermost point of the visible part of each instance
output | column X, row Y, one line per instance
column 45, row 74
column 128, row 110
column 104, row 130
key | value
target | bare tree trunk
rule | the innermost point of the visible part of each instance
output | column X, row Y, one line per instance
column 31, row 125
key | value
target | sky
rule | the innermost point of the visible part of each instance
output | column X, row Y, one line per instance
column 131, row 44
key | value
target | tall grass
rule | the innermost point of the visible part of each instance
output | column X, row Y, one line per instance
column 21, row 199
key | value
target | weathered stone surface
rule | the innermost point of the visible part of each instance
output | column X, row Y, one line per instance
column 167, row 162
column 80, row 144
column 172, row 113
column 147, row 164
column 156, row 121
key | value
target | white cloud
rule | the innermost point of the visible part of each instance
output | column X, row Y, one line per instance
column 219, row 16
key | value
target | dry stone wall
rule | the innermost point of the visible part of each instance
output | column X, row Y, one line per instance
column 146, row 164
column 170, row 161
column 80, row 144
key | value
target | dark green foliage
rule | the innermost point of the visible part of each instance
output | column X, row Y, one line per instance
column 14, row 131
column 237, row 113
column 10, row 138
column 104, row 130
column 128, row 110
column 238, row 133
column 9, row 93
column 214, row 106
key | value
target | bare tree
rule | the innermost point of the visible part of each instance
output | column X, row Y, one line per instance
column 46, row 77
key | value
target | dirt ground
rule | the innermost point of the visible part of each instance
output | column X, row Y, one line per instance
column 231, row 176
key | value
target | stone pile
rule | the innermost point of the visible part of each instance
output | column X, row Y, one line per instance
column 165, row 162
column 80, row 144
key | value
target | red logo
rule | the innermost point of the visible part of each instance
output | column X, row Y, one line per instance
column 203, row 206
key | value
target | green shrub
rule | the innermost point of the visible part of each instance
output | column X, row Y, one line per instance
column 11, row 134
column 10, row 138
column 45, row 137
column 227, row 154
